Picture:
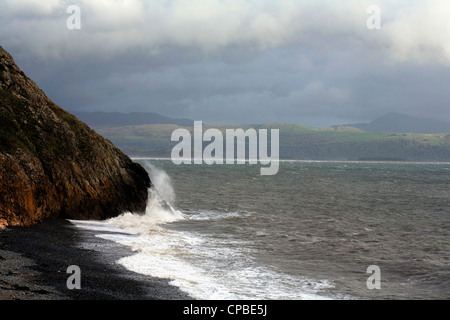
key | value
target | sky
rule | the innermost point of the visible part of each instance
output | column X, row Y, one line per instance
column 315, row 63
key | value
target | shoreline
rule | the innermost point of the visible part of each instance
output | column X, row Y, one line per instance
column 34, row 262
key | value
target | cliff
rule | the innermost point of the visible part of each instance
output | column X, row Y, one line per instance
column 53, row 165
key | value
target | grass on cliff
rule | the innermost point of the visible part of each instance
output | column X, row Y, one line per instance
column 12, row 135
column 21, row 128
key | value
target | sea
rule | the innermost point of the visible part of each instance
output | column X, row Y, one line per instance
column 316, row 230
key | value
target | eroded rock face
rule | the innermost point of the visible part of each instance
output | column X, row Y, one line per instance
column 52, row 164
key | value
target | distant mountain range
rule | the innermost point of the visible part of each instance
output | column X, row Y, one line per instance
column 391, row 137
column 401, row 123
column 117, row 119
column 391, row 122
column 298, row 142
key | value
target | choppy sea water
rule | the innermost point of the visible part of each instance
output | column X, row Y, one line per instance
column 308, row 232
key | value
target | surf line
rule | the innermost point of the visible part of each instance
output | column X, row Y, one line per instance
column 236, row 147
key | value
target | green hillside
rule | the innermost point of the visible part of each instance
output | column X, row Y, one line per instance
column 298, row 142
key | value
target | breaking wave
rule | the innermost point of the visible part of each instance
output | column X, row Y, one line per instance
column 159, row 209
column 204, row 266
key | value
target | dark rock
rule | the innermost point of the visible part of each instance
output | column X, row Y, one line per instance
column 53, row 165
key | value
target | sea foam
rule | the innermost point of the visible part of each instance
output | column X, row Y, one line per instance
column 205, row 267
column 159, row 209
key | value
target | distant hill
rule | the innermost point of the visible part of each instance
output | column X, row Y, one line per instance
column 299, row 142
column 391, row 137
column 117, row 119
column 400, row 123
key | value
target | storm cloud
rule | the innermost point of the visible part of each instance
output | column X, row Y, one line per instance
column 309, row 62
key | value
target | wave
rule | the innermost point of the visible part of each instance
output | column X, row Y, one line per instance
column 159, row 209
column 212, row 215
column 204, row 265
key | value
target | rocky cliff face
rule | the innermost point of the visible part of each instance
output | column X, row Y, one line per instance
column 53, row 165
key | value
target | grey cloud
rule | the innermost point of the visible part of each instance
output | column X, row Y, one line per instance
column 307, row 62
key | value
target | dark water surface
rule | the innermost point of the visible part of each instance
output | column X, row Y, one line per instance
column 309, row 232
